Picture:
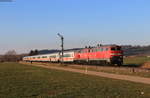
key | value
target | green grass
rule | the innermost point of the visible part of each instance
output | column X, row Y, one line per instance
column 136, row 61
column 24, row 81
column 117, row 70
column 114, row 70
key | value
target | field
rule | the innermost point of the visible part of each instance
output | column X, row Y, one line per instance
column 18, row 80
column 135, row 61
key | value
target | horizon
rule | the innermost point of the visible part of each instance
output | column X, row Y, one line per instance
column 27, row 25
column 67, row 48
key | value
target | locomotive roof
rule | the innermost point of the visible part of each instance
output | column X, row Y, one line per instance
column 103, row 46
column 109, row 45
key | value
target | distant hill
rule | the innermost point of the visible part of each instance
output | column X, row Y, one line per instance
column 130, row 50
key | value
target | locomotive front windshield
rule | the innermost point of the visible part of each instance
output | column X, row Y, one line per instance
column 116, row 48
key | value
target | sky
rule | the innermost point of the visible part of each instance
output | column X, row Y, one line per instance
column 34, row 24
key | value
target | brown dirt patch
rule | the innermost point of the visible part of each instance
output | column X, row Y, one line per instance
column 146, row 65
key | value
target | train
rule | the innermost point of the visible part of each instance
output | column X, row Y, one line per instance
column 108, row 54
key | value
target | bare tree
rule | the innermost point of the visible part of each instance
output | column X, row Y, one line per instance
column 10, row 56
column 34, row 52
column 11, row 52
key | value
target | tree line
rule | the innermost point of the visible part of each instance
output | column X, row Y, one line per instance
column 12, row 56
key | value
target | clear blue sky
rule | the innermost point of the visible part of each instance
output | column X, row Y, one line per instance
column 34, row 24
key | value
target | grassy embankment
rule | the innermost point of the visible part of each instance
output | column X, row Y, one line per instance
column 18, row 80
column 129, row 61
column 136, row 61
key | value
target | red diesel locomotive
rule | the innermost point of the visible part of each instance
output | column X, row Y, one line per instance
column 109, row 54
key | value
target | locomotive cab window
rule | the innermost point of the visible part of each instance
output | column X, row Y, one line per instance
column 115, row 48
column 118, row 48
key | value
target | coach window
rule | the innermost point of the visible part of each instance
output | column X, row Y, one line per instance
column 97, row 49
column 53, row 56
column 86, row 51
column 67, row 55
column 83, row 51
column 44, row 57
column 104, row 49
column 64, row 55
column 91, row 50
column 94, row 50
